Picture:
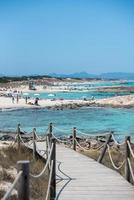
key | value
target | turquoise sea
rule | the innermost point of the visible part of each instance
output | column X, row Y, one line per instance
column 104, row 84
column 91, row 91
column 76, row 95
column 88, row 120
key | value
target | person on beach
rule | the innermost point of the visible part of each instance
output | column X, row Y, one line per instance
column 36, row 101
column 26, row 98
column 92, row 98
column 17, row 98
column 12, row 99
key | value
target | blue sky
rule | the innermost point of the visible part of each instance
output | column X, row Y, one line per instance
column 66, row 36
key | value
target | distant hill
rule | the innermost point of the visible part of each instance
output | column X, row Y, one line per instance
column 117, row 75
column 79, row 75
column 74, row 75
column 113, row 75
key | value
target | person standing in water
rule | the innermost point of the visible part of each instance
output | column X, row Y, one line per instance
column 26, row 99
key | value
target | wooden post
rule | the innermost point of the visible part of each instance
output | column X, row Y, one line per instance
column 53, row 180
column 18, row 136
column 50, row 133
column 46, row 147
column 23, row 183
column 74, row 138
column 104, row 149
column 34, row 143
column 127, row 155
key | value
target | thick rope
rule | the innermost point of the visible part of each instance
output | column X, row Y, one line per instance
column 6, row 196
column 44, row 135
column 91, row 135
column 130, row 148
column 38, row 138
column 46, row 131
column 116, row 142
column 111, row 159
column 46, row 165
column 95, row 149
column 23, row 141
column 62, row 130
column 61, row 141
column 81, row 146
column 13, row 143
column 25, row 132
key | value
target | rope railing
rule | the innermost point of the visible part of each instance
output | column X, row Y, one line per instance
column 92, row 135
column 61, row 141
column 62, row 130
column 41, row 138
column 23, row 189
column 84, row 149
column 21, row 180
column 45, row 167
column 50, row 162
column 14, row 141
column 57, row 139
column 116, row 142
column 111, row 159
column 23, row 141
column 76, row 141
column 109, row 138
column 8, row 193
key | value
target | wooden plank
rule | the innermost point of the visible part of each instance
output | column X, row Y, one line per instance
column 88, row 179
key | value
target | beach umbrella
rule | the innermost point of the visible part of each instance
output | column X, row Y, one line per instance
column 36, row 94
column 83, row 97
column 50, row 95
column 8, row 92
column 25, row 94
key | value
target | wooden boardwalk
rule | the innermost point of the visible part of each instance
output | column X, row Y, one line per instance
column 82, row 178
column 79, row 177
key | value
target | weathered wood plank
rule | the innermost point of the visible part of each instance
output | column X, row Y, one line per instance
column 85, row 178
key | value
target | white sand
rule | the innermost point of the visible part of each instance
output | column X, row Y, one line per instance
column 121, row 101
column 6, row 103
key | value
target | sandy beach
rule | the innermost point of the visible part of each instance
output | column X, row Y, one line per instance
column 6, row 103
column 20, row 89
column 120, row 101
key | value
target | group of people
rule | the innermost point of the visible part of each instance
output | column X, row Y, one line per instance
column 16, row 99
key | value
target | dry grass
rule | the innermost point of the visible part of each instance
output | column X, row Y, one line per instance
column 9, row 157
column 13, row 197
column 5, row 175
